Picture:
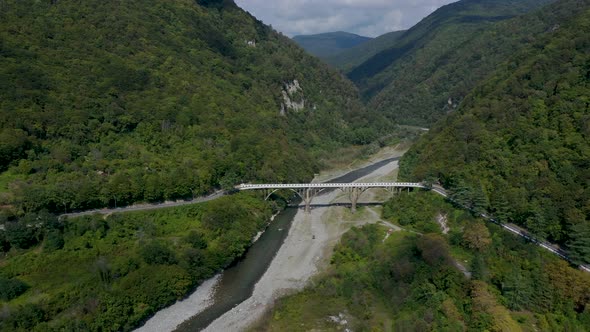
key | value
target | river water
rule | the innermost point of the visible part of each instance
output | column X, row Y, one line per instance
column 238, row 281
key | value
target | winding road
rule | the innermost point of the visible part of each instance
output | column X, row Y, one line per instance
column 145, row 207
column 436, row 189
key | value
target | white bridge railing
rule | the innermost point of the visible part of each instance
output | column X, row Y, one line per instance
column 307, row 191
column 245, row 186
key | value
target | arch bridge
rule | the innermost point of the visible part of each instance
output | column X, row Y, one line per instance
column 307, row 191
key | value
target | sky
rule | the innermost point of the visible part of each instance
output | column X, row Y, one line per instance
column 369, row 18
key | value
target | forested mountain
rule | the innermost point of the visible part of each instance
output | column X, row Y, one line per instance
column 352, row 57
column 519, row 144
column 328, row 44
column 106, row 103
column 435, row 63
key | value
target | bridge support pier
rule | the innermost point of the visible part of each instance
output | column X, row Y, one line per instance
column 392, row 190
column 353, row 194
column 307, row 196
column 354, row 197
column 307, row 200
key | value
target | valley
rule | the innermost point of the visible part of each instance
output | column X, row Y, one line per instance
column 305, row 251
column 126, row 129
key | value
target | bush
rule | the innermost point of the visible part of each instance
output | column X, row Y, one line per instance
column 220, row 216
column 26, row 317
column 157, row 253
column 11, row 288
column 20, row 235
column 434, row 249
column 196, row 240
column 476, row 236
column 54, row 241
column 195, row 262
column 4, row 244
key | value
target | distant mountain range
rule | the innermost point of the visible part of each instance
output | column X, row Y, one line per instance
column 352, row 57
column 329, row 44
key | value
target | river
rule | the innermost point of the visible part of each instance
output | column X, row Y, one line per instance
column 236, row 284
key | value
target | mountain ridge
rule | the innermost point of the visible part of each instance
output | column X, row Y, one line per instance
column 350, row 58
column 518, row 144
column 324, row 45
column 398, row 81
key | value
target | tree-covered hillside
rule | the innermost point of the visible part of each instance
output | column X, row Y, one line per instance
column 106, row 103
column 110, row 273
column 430, row 68
column 476, row 278
column 328, row 44
column 519, row 145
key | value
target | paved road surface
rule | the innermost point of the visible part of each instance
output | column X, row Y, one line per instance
column 145, row 207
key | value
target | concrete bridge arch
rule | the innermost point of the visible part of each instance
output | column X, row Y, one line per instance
column 307, row 191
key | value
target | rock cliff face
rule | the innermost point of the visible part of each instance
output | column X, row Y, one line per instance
column 292, row 97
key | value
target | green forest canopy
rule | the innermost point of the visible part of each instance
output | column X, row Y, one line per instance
column 519, row 145
column 106, row 103
column 427, row 71
column 98, row 273
column 411, row 282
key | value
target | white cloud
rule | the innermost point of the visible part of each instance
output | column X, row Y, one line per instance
column 365, row 17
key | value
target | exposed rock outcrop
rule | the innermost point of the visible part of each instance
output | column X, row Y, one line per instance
column 292, row 98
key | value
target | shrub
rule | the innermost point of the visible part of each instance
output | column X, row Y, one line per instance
column 20, row 235
column 54, row 241
column 434, row 249
column 26, row 317
column 157, row 253
column 4, row 244
column 11, row 288
column 476, row 236
column 196, row 240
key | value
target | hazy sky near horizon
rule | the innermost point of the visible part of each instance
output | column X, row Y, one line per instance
column 364, row 17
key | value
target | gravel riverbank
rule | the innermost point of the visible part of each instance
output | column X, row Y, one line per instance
column 169, row 318
column 305, row 252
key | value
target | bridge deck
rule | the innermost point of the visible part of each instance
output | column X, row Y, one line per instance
column 245, row 186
